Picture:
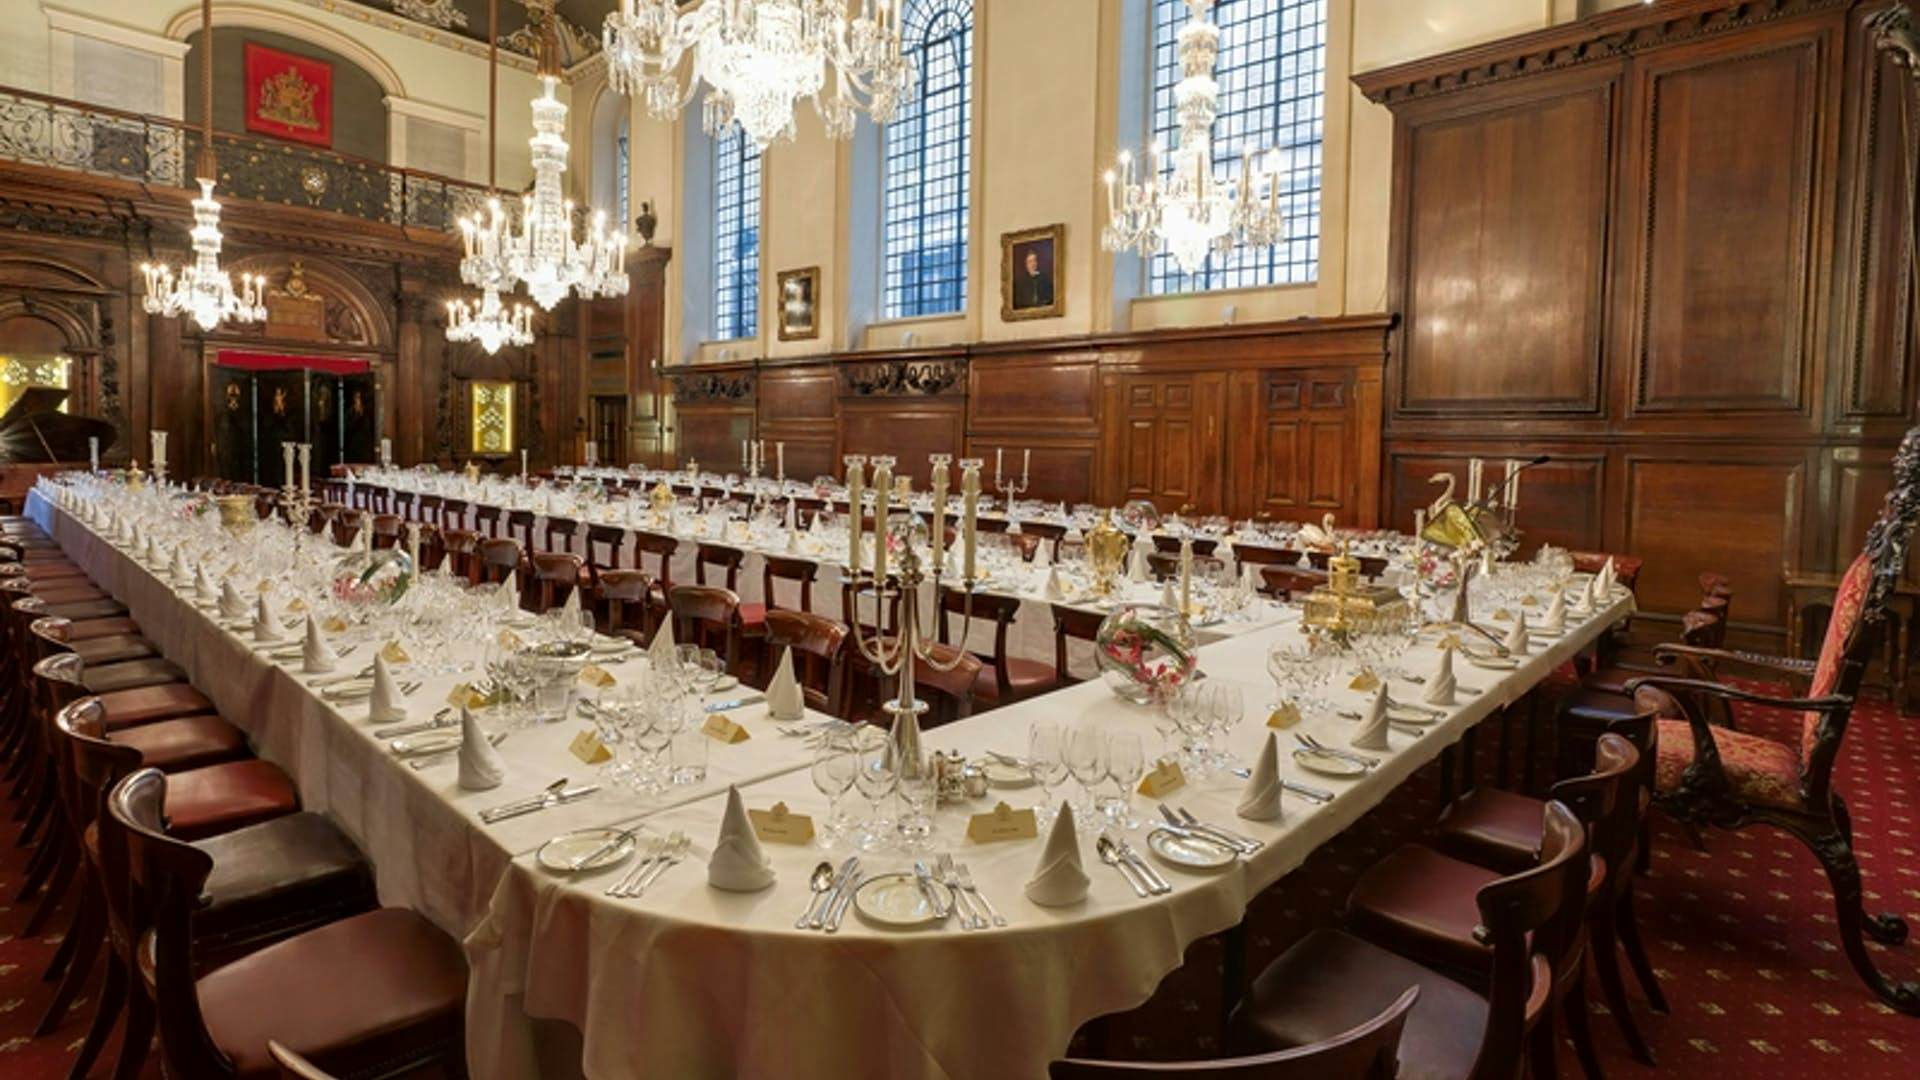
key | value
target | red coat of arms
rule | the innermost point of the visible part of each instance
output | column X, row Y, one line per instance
column 288, row 96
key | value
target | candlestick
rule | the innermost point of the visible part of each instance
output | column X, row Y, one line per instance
column 306, row 466
column 969, row 515
column 856, row 523
column 286, row 452
column 1026, row 467
column 882, row 496
column 746, row 454
column 938, row 538
column 523, row 466
column 93, row 452
column 1186, row 575
column 780, row 461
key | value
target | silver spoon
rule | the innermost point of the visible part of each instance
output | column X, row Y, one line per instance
column 1110, row 854
column 821, row 883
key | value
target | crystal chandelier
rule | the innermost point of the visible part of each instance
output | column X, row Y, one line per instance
column 490, row 323
column 1180, row 206
column 202, row 290
column 542, row 252
column 758, row 59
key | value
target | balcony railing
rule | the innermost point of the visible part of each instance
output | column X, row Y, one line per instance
column 36, row 129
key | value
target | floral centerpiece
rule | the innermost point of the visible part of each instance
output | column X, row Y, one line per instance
column 366, row 579
column 194, row 506
column 1145, row 652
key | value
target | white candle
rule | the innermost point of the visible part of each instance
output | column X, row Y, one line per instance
column 1026, row 466
column 93, row 452
column 746, row 455
column 780, row 460
column 413, row 544
column 523, row 465
column 1186, row 575
column 938, row 538
column 969, row 515
column 1474, row 466
column 856, row 467
column 386, row 451
column 882, row 496
column 999, row 458
column 1419, row 523
column 286, row 450
column 306, row 466
column 1513, row 487
column 592, row 453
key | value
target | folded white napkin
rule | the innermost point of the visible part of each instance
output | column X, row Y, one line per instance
column 386, row 705
column 785, row 701
column 1441, row 686
column 1054, row 590
column 232, row 604
column 1486, row 562
column 1043, row 553
column 316, row 655
column 570, row 611
column 1059, row 879
column 814, row 525
column 509, row 595
column 136, row 539
column 1137, row 570
column 793, row 541
column 1608, row 575
column 1250, row 579
column 1516, row 642
column 660, row 651
column 1372, row 733
column 203, row 587
column 480, row 764
column 738, row 864
column 182, row 569
column 266, row 626
column 1555, row 621
column 1262, row 799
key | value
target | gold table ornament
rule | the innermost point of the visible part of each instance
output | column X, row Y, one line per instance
column 1336, row 608
column 1107, row 549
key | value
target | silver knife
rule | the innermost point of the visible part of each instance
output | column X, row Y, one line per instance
column 1228, row 835
column 1184, row 827
column 1311, row 794
column 511, row 810
column 840, row 906
column 1158, row 883
column 818, row 918
column 737, row 703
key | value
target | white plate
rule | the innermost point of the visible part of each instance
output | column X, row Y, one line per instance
column 1411, row 716
column 1002, row 775
column 723, row 684
column 1327, row 764
column 1492, row 663
column 897, row 901
column 560, row 853
column 1189, row 853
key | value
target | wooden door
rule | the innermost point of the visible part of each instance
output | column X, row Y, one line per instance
column 610, row 429
column 233, row 407
column 1169, row 440
column 1303, row 462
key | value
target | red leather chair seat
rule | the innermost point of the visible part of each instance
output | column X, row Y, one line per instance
column 87, row 609
column 753, row 618
column 167, row 701
column 1613, row 678
column 152, row 671
column 1331, row 982
column 51, row 571
column 1590, row 707
column 190, row 742
column 220, row 798
column 345, row 996
column 1496, row 829
column 59, row 592
column 294, row 871
column 1027, row 678
column 113, row 649
column 1420, row 904
column 88, row 629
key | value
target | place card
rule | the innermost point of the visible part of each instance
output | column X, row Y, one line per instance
column 1285, row 716
column 334, row 624
column 1530, row 600
column 1165, row 779
column 1366, row 682
column 296, row 604
column 781, row 826
column 1003, row 822
column 596, row 676
column 1503, row 615
column 464, row 696
column 509, row 640
column 395, row 654
column 589, row 749
column 719, row 727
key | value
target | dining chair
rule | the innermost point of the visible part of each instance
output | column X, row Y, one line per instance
column 382, row 991
column 431, row 509
column 1170, row 545
column 499, row 558
column 777, row 569
column 1048, row 534
column 1073, row 624
column 459, row 547
column 556, row 574
column 561, row 533
column 1369, row 1051
column 611, row 537
column 707, row 616
column 819, row 646
column 1284, row 582
column 453, row 513
column 1332, row 981
column 625, row 595
column 752, row 615
column 401, row 504
column 346, row 526
column 486, row 520
column 520, row 527
column 387, row 530
column 1004, row 677
column 949, row 692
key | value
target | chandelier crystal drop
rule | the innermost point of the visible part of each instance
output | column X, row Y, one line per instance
column 543, row 250
column 1179, row 205
column 202, row 291
column 758, row 59
column 491, row 324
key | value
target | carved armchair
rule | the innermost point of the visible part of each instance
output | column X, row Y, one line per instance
column 1711, row 775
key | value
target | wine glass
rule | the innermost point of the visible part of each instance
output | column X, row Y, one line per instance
column 1046, row 757
column 1086, row 760
column 1126, row 762
column 1227, row 705
column 875, row 778
column 834, row 766
column 917, row 789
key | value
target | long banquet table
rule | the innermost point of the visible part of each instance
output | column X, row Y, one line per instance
column 689, row 981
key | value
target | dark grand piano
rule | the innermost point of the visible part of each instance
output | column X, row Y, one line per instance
column 36, row 437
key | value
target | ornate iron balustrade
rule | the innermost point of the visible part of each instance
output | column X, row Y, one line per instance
column 36, row 129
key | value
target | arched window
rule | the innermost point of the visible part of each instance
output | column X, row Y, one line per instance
column 928, row 152
column 1272, row 72
column 623, row 174
column 736, row 235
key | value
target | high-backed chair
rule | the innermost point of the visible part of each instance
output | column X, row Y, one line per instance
column 1072, row 624
column 778, row 569
column 486, row 520
column 819, row 646
column 1370, row 1051
column 387, row 530
column 498, row 558
column 380, row 992
column 460, row 547
column 556, row 574
column 1004, row 677
column 947, row 684
column 707, row 616
column 625, row 594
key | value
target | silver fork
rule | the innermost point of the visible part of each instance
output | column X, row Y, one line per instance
column 970, row 917
column 1319, row 747
column 676, row 850
column 966, row 882
column 654, row 849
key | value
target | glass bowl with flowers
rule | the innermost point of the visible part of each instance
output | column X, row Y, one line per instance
column 1145, row 652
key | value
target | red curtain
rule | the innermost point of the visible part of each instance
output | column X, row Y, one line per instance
column 253, row 361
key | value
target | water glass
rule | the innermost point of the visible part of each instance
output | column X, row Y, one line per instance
column 834, row 766
column 1126, row 763
column 875, row 780
column 687, row 757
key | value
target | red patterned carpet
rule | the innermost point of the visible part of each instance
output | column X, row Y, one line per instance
column 1742, row 935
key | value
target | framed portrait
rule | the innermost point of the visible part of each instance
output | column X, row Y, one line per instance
column 288, row 96
column 1033, row 273
column 799, row 292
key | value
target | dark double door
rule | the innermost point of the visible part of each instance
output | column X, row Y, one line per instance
column 258, row 410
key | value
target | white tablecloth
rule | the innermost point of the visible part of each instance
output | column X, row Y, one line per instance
column 689, row 981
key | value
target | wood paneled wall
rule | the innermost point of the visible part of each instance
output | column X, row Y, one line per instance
column 1664, row 245
column 1281, row 420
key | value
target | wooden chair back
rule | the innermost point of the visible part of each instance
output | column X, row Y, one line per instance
column 1285, row 582
column 661, row 547
column 1072, row 624
column 709, row 617
column 625, row 596
column 387, row 529
column 1170, row 545
column 520, row 527
column 1370, row 1051
column 453, row 512
column 498, row 558
column 1532, row 921
column 949, row 694
column 819, row 645
column 780, row 568
column 720, row 556
column 998, row 610
column 486, row 519
column 555, row 575
column 613, row 538
column 346, row 525
column 460, row 546
column 561, row 533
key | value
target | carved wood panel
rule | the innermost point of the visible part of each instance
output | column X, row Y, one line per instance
column 797, row 407
column 1170, row 440
column 1734, row 513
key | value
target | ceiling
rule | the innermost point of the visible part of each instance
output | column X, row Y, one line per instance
column 581, row 21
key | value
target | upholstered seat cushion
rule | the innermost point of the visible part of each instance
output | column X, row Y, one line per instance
column 753, row 618
column 62, row 592
column 127, row 708
column 130, row 675
column 1421, row 904
column 345, row 996
column 190, row 742
column 1497, row 829
column 112, row 649
column 1331, row 982
column 294, row 870
column 1759, row 770
column 1025, row 677
column 220, row 798
column 77, row 610
column 52, row 571
column 88, row 629
column 1614, row 677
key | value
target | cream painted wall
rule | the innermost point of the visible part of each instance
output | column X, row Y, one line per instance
column 425, row 71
